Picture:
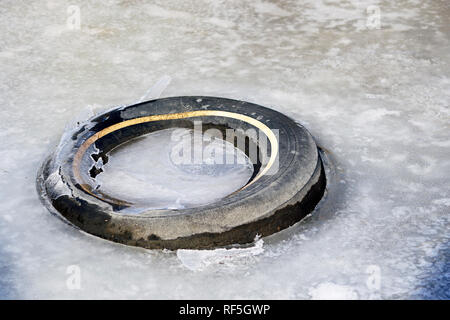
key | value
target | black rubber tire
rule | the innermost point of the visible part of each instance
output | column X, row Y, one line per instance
column 271, row 203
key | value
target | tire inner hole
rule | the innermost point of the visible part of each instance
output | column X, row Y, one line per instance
column 172, row 168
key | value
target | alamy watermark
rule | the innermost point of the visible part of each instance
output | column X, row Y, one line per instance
column 373, row 281
column 373, row 20
column 73, row 21
column 212, row 146
column 73, row 281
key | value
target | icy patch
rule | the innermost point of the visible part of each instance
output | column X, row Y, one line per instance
column 149, row 172
column 54, row 182
column 198, row 260
column 332, row 291
column 443, row 202
column 270, row 8
column 157, row 89
column 158, row 11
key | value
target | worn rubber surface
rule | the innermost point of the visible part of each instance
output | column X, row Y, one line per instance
column 270, row 202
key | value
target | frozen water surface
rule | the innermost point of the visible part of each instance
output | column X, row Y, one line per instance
column 151, row 172
column 376, row 99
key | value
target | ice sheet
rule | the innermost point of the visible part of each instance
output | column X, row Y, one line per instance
column 148, row 171
column 376, row 99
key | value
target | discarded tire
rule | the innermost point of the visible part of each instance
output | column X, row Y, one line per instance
column 272, row 200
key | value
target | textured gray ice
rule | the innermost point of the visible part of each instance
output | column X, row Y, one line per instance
column 150, row 172
column 377, row 100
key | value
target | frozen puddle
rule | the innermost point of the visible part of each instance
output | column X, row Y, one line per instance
column 152, row 170
column 198, row 260
column 377, row 98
